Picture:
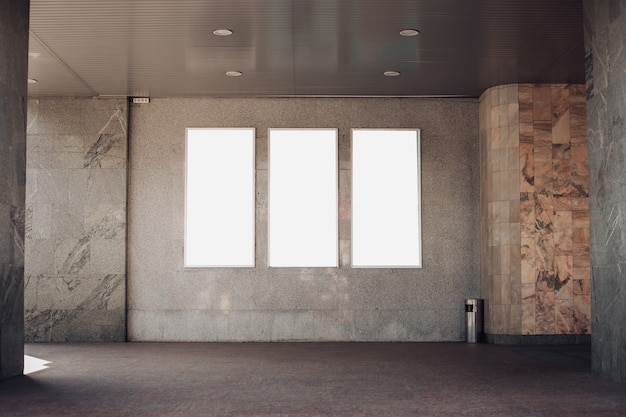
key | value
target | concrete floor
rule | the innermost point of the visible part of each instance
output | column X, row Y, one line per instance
column 310, row 379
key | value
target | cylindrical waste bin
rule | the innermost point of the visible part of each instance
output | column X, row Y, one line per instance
column 474, row 319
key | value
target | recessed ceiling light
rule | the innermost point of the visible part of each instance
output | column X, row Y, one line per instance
column 222, row 32
column 391, row 73
column 32, row 81
column 233, row 73
column 409, row 32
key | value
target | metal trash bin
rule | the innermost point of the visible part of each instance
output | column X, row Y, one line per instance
column 474, row 320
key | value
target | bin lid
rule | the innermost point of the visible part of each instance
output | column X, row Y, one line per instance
column 472, row 301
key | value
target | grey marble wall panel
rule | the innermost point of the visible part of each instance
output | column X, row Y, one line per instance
column 605, row 39
column 13, row 74
column 168, row 302
column 76, row 219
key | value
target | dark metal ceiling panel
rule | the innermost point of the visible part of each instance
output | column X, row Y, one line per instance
column 301, row 47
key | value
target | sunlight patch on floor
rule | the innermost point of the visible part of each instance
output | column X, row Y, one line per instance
column 33, row 364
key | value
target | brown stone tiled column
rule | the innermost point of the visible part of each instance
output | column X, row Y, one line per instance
column 535, row 205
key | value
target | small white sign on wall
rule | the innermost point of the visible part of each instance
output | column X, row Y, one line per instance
column 386, row 230
column 220, row 198
column 303, row 201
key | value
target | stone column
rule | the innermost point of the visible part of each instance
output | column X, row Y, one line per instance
column 13, row 75
column 535, row 214
column 605, row 40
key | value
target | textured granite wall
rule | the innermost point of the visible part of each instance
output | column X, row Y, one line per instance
column 605, row 39
column 168, row 302
column 75, row 269
column 535, row 211
column 13, row 75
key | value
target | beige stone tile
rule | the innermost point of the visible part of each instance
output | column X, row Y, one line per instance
column 542, row 141
column 579, row 157
column 544, row 251
column 580, row 235
column 513, row 136
column 527, row 168
column 560, row 114
column 526, row 132
column 562, row 232
column 494, row 181
column 577, row 93
column 527, row 215
column 504, row 212
column 513, row 160
column 580, row 186
column 495, row 117
column 545, row 314
column 561, row 203
column 514, row 233
column 503, row 115
column 561, row 129
column 578, row 121
column 495, row 96
column 580, row 218
column 582, row 314
column 505, row 289
column 580, row 203
column 566, row 291
column 547, row 279
column 527, row 261
column 579, row 273
column 526, row 112
column 497, row 289
column 564, row 312
column 564, row 266
column 492, row 211
column 581, row 286
column 528, row 316
column 503, row 191
column 508, row 94
column 581, row 255
column 528, row 292
column 543, row 176
column 542, row 103
column 513, row 111
column 516, row 263
column 514, row 205
column 544, row 212
column 494, row 138
column 515, row 325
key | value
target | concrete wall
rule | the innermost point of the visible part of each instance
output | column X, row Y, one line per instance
column 13, row 74
column 605, row 41
column 167, row 302
column 75, row 269
column 535, row 213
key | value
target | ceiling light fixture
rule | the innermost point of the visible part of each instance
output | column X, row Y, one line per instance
column 233, row 73
column 222, row 32
column 409, row 32
column 32, row 81
column 391, row 73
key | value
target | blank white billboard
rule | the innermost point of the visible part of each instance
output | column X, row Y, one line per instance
column 386, row 229
column 220, row 198
column 303, row 208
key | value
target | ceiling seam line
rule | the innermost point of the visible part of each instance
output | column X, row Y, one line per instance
column 566, row 53
column 67, row 67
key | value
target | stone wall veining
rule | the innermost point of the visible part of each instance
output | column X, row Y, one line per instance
column 167, row 302
column 13, row 74
column 605, row 39
column 75, row 270
column 535, row 210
